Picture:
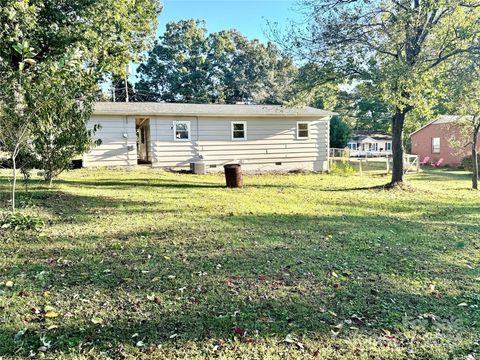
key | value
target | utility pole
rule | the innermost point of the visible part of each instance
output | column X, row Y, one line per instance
column 126, row 84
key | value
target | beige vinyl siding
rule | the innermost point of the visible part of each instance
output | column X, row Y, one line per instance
column 113, row 151
column 269, row 141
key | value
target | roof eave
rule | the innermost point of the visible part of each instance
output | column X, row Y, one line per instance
column 123, row 113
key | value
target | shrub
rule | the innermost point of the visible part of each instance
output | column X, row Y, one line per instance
column 19, row 221
column 343, row 168
column 467, row 162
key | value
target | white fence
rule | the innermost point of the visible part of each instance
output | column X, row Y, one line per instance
column 411, row 162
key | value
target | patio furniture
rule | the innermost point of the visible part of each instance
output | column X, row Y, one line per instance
column 425, row 161
column 438, row 163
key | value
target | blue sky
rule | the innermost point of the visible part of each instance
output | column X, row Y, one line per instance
column 247, row 16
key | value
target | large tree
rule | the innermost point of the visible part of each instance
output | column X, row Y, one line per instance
column 37, row 36
column 463, row 99
column 399, row 47
column 189, row 65
column 340, row 133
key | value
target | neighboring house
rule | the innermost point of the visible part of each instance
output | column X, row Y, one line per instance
column 370, row 143
column 169, row 135
column 433, row 141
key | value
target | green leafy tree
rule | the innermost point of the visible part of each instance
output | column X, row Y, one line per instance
column 463, row 99
column 187, row 65
column 65, row 95
column 362, row 109
column 314, row 85
column 340, row 133
column 15, row 116
column 176, row 68
column 36, row 36
column 399, row 47
column 120, row 89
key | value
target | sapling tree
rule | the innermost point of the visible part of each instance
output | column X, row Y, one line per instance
column 397, row 46
column 59, row 130
column 15, row 116
column 36, row 37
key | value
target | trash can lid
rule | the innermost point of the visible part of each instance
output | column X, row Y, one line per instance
column 231, row 166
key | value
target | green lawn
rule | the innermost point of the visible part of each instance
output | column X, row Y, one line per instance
column 149, row 264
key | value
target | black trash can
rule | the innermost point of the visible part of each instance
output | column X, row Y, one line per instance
column 233, row 175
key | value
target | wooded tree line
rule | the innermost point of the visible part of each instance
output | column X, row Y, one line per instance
column 381, row 64
column 188, row 64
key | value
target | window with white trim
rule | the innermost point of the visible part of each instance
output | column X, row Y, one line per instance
column 239, row 130
column 388, row 146
column 303, row 130
column 181, row 130
column 435, row 145
column 352, row 146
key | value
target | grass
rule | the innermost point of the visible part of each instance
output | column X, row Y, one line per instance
column 149, row 264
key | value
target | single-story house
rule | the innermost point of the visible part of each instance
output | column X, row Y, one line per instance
column 434, row 141
column 376, row 143
column 172, row 135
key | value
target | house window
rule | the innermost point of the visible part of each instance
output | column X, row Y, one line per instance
column 388, row 146
column 303, row 131
column 239, row 130
column 352, row 146
column 436, row 145
column 181, row 130
column 375, row 147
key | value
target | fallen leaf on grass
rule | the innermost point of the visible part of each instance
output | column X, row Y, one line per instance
column 51, row 315
column 97, row 320
column 9, row 284
column 19, row 334
column 291, row 340
column 239, row 331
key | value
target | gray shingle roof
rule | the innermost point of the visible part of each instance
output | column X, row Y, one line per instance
column 443, row 119
column 375, row 135
column 446, row 119
column 180, row 109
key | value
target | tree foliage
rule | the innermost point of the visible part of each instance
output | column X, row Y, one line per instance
column 52, row 55
column 189, row 65
column 340, row 133
column 108, row 33
column 119, row 90
column 463, row 99
column 65, row 95
column 399, row 47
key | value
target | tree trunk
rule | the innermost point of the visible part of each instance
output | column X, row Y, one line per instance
column 14, row 184
column 397, row 148
column 475, row 158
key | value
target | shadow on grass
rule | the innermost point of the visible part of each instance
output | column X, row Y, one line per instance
column 271, row 274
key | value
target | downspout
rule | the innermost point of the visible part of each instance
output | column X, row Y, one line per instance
column 328, row 142
column 195, row 145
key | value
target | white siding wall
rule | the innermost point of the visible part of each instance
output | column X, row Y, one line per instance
column 113, row 150
column 269, row 141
